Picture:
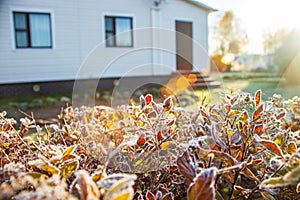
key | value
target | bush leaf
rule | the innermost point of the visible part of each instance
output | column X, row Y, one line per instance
column 257, row 98
column 203, row 185
column 186, row 168
column 68, row 168
column 272, row 146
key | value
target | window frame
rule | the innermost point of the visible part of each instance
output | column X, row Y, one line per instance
column 28, row 31
column 113, row 31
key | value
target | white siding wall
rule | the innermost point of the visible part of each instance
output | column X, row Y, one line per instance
column 77, row 29
column 183, row 11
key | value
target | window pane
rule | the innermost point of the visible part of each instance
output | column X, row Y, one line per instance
column 109, row 39
column 20, row 20
column 40, row 33
column 21, row 38
column 108, row 24
column 123, row 32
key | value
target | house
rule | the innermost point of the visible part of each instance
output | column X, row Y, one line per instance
column 47, row 45
column 253, row 62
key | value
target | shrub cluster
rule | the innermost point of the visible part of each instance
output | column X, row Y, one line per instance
column 240, row 148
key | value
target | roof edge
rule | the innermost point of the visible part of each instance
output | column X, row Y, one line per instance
column 201, row 5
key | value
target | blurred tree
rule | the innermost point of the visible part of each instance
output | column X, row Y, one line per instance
column 227, row 38
column 273, row 40
column 228, row 35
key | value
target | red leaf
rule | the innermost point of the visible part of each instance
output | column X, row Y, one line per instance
column 8, row 127
column 150, row 196
column 257, row 98
column 258, row 129
column 272, row 146
column 159, row 136
column 168, row 104
column 141, row 140
column 148, row 99
column 202, row 187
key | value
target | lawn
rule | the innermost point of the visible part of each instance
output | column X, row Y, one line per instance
column 250, row 82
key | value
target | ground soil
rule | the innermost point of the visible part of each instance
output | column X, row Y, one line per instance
column 43, row 115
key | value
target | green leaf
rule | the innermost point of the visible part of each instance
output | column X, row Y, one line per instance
column 203, row 185
column 274, row 182
column 68, row 168
column 293, row 175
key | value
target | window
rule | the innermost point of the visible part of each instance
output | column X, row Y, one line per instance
column 118, row 31
column 32, row 30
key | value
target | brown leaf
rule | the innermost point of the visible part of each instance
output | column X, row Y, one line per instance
column 171, row 122
column 186, row 168
column 258, row 129
column 168, row 104
column 159, row 136
column 257, row 98
column 272, row 146
column 168, row 196
column 152, row 114
column 248, row 173
column 202, row 187
column 256, row 162
column 233, row 100
column 239, row 156
column 150, row 196
column 203, row 113
column 87, row 188
column 142, row 101
column 227, row 108
column 280, row 115
column 257, row 112
column 291, row 148
column 235, row 137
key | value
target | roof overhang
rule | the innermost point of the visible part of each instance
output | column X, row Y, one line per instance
column 201, row 5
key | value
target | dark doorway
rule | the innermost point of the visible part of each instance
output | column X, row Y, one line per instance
column 184, row 45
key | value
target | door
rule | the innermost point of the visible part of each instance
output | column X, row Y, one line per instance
column 184, row 45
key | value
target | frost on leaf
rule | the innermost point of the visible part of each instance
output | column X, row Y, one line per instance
column 202, row 186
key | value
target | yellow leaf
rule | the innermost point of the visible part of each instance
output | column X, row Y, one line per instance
column 165, row 144
column 127, row 195
column 244, row 116
column 292, row 148
column 68, row 168
column 233, row 112
column 69, row 150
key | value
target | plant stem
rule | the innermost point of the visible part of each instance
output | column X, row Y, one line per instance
column 237, row 173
